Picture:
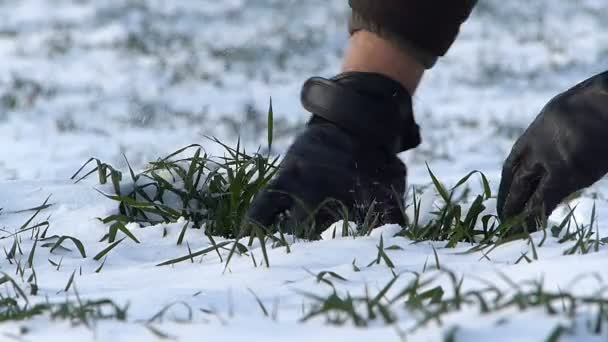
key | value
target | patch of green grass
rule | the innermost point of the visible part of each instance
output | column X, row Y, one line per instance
column 18, row 308
column 458, row 220
column 76, row 312
column 453, row 222
column 586, row 238
column 213, row 193
column 426, row 303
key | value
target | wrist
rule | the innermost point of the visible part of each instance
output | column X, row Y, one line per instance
column 371, row 53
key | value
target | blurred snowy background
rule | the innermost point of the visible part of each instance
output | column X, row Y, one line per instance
column 83, row 78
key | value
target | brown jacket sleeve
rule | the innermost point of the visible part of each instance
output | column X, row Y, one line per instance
column 428, row 27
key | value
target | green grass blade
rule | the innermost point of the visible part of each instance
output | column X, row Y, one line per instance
column 106, row 250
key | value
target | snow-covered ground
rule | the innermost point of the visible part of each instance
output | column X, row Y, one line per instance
column 83, row 78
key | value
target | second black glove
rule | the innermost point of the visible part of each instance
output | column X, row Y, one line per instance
column 564, row 150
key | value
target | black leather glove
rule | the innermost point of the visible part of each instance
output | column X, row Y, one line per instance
column 347, row 153
column 564, row 150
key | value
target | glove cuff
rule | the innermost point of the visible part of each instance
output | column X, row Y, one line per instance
column 372, row 107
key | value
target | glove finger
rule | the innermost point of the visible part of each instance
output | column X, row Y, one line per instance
column 551, row 191
column 520, row 188
column 503, row 191
column 269, row 204
column 508, row 170
column 306, row 221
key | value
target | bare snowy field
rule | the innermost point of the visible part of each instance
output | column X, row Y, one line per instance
column 84, row 78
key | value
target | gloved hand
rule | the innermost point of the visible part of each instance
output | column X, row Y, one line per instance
column 347, row 153
column 564, row 150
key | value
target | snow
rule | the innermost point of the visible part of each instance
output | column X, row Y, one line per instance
column 83, row 78
column 130, row 275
